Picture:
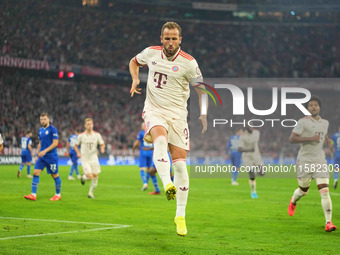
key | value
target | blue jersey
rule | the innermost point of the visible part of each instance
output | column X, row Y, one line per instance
column 24, row 142
column 143, row 144
column 336, row 140
column 235, row 155
column 46, row 137
column 233, row 144
column 72, row 140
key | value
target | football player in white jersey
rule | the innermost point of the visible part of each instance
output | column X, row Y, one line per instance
column 251, row 156
column 165, row 110
column 1, row 143
column 88, row 141
column 311, row 133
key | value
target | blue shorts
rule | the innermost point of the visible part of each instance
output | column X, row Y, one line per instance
column 235, row 159
column 51, row 164
column 73, row 157
column 336, row 161
column 145, row 161
column 26, row 157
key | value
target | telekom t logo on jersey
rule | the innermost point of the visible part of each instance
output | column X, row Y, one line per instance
column 160, row 80
column 238, row 100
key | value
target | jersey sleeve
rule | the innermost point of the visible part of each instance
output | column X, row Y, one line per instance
column 55, row 135
column 140, row 136
column 228, row 146
column 1, row 140
column 30, row 141
column 241, row 142
column 334, row 138
column 100, row 139
column 298, row 129
column 78, row 141
column 142, row 57
column 194, row 73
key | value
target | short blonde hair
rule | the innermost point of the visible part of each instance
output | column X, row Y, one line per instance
column 88, row 119
column 171, row 25
column 44, row 114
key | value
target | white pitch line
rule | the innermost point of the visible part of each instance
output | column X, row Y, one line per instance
column 64, row 221
column 113, row 226
column 59, row 233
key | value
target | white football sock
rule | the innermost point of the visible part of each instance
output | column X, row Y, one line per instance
column 85, row 177
column 326, row 203
column 94, row 184
column 252, row 185
column 298, row 193
column 161, row 159
column 181, row 182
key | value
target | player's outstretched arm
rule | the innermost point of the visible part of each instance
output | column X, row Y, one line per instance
column 203, row 99
column 295, row 138
column 134, row 71
column 1, row 147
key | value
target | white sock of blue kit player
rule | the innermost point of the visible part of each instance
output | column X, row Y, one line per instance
column 94, row 184
column 181, row 181
column 336, row 174
column 326, row 203
column 161, row 159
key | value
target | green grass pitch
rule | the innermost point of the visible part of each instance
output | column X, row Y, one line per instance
column 221, row 219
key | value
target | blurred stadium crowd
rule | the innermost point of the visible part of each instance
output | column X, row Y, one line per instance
column 108, row 39
column 100, row 38
column 23, row 98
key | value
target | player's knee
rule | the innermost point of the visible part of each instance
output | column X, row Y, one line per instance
column 304, row 190
column 322, row 186
column 36, row 172
column 324, row 191
column 55, row 176
column 161, row 143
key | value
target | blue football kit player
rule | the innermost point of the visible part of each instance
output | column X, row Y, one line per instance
column 234, row 154
column 336, row 162
column 73, row 154
column 145, row 156
column 47, row 157
column 26, row 153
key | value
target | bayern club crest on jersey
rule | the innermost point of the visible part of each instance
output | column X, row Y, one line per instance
column 175, row 68
column 147, row 125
